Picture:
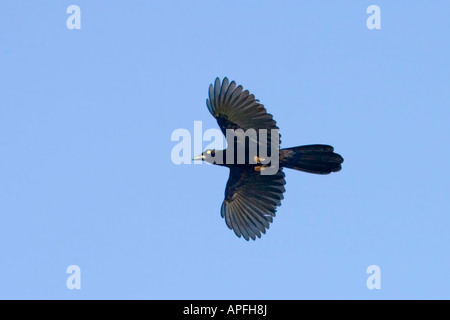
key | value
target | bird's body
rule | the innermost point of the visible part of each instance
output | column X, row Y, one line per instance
column 255, row 187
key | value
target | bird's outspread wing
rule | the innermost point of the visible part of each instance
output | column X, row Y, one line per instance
column 235, row 108
column 251, row 200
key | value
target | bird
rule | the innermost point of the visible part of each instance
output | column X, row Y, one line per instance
column 251, row 195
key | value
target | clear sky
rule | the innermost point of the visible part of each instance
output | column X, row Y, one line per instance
column 86, row 174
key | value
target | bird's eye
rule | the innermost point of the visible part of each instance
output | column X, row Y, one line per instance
column 208, row 151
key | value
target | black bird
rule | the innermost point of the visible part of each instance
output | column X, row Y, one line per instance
column 251, row 198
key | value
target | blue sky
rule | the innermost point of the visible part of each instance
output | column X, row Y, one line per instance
column 87, row 179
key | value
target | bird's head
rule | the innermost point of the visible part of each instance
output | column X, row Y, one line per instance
column 207, row 155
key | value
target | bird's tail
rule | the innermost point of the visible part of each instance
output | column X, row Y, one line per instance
column 316, row 158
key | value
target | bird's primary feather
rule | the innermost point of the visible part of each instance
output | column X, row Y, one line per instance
column 251, row 200
column 236, row 108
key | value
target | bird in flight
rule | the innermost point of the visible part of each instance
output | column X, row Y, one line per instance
column 251, row 195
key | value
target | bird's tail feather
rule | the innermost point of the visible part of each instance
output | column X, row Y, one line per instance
column 317, row 158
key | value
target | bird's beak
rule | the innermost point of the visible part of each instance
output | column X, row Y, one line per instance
column 199, row 157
